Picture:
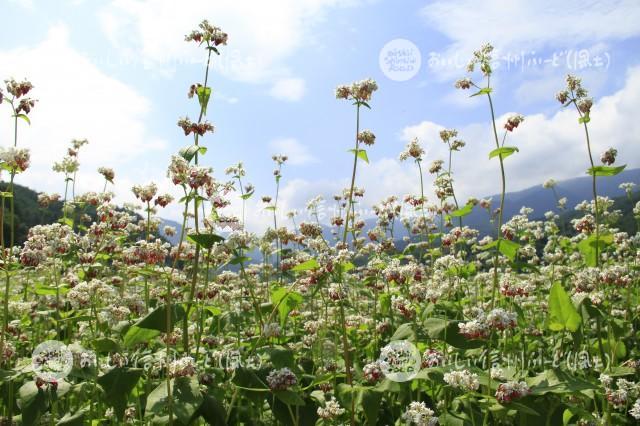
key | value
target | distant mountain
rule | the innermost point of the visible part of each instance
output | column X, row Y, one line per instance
column 28, row 212
column 542, row 200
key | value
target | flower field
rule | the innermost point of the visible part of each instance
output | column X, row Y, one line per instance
column 105, row 322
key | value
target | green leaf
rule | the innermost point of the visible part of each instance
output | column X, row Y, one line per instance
column 206, row 241
column 370, row 405
column 463, row 211
column 66, row 221
column 32, row 402
column 404, row 332
column 483, row 91
column 186, row 398
column 584, row 119
column 154, row 323
column 204, row 93
column 212, row 411
column 118, row 384
column 286, row 301
column 106, row 345
column 605, row 170
column 6, row 194
column 188, row 152
column 587, row 247
column 562, row 314
column 306, row 266
column 508, row 248
column 503, row 152
column 362, row 154
column 289, row 397
column 25, row 118
column 136, row 335
column 76, row 419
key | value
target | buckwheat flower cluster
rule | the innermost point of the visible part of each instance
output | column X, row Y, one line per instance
column 68, row 165
column 144, row 252
column 331, row 410
column 575, row 93
column 412, row 150
column 513, row 122
column 462, row 379
column 635, row 410
column 418, row 414
column 279, row 159
column 609, row 156
column 372, row 372
column 107, row 173
column 367, row 137
column 481, row 326
column 163, row 200
column 199, row 177
column 336, row 292
column 463, row 83
column 44, row 242
column 549, row 183
column 627, row 187
column 15, row 159
column 482, row 58
column 145, row 193
column 585, row 225
column 271, row 329
column 209, row 34
column 183, row 367
column 432, row 358
column 500, row 319
column 18, row 89
column 199, row 129
column 436, row 167
column 359, row 91
column 509, row 391
column 178, row 170
column 620, row 397
column 281, row 379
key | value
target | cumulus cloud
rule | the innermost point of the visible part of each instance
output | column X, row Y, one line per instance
column 525, row 25
column 261, row 35
column 550, row 146
column 77, row 100
column 288, row 89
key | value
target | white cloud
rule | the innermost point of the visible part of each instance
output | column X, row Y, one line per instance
column 523, row 31
column 550, row 147
column 529, row 25
column 288, row 89
column 298, row 153
column 262, row 34
column 77, row 100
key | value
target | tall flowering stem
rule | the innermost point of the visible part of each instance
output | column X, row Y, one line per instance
column 360, row 93
column 482, row 59
column 15, row 161
column 576, row 95
column 212, row 37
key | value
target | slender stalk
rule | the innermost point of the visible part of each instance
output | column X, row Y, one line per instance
column 353, row 178
column 501, row 211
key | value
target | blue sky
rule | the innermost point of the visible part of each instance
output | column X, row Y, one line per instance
column 117, row 73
